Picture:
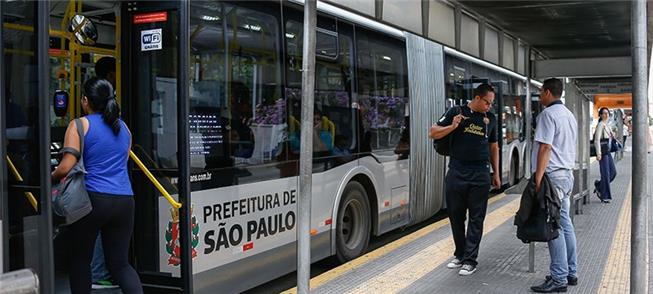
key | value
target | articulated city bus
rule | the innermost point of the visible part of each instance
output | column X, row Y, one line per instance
column 212, row 93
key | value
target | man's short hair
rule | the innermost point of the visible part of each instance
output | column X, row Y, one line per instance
column 554, row 86
column 104, row 66
column 483, row 89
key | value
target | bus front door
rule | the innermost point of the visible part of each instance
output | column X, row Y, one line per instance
column 152, row 76
column 25, row 218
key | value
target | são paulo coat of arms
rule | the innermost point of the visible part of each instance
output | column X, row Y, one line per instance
column 172, row 237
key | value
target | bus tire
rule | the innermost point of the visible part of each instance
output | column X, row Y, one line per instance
column 354, row 223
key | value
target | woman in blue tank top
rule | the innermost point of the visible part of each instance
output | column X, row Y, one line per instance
column 107, row 142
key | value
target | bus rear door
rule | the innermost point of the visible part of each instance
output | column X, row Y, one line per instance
column 26, row 225
column 153, row 105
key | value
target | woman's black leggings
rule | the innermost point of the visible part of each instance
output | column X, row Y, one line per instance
column 114, row 217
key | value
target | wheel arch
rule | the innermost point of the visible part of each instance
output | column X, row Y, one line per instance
column 365, row 177
column 514, row 155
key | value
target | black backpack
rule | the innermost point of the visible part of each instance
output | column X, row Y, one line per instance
column 443, row 145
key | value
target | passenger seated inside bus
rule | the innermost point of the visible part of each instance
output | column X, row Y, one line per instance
column 342, row 152
column 323, row 134
column 341, row 146
column 240, row 134
column 235, row 132
column 403, row 147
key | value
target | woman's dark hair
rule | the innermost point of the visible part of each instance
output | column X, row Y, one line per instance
column 601, row 111
column 102, row 100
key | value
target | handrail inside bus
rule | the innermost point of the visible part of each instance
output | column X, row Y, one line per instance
column 154, row 181
column 30, row 197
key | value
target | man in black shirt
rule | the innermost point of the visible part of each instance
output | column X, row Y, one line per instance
column 474, row 145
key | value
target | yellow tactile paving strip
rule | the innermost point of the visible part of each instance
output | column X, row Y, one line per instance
column 410, row 270
column 371, row 256
column 616, row 275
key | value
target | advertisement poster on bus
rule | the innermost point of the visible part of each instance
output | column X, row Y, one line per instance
column 230, row 223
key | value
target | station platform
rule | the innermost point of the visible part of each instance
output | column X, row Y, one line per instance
column 417, row 262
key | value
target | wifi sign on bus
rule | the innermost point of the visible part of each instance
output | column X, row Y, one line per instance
column 151, row 40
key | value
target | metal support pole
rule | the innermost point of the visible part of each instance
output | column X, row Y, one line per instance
column 528, row 116
column 183, row 148
column 531, row 257
column 482, row 28
column 45, row 254
column 638, row 246
column 515, row 55
column 4, row 208
column 458, row 20
column 501, row 37
column 306, row 150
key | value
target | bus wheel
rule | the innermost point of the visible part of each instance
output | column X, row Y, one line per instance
column 353, row 224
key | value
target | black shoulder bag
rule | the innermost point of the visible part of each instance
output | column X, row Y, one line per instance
column 443, row 145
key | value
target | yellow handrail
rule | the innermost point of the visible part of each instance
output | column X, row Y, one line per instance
column 29, row 195
column 154, row 165
column 154, row 181
column 26, row 28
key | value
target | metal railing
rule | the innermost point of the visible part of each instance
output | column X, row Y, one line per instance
column 24, row 281
column 32, row 200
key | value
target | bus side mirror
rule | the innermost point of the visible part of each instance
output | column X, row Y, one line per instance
column 83, row 29
column 60, row 104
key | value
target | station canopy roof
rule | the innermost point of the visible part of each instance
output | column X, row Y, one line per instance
column 563, row 29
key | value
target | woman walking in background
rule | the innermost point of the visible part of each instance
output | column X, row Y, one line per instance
column 606, row 163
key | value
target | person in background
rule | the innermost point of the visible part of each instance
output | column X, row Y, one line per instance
column 554, row 153
column 105, row 68
column 607, row 168
column 626, row 130
column 322, row 140
column 341, row 147
column 403, row 146
column 241, row 136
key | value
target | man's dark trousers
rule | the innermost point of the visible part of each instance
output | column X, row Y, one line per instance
column 467, row 188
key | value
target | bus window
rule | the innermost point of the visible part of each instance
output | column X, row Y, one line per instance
column 382, row 89
column 512, row 123
column 237, row 112
column 333, row 121
column 512, row 119
column 455, row 81
column 519, row 96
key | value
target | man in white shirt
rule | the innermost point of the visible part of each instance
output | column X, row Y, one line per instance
column 554, row 153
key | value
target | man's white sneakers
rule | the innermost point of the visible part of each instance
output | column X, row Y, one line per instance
column 467, row 270
column 455, row 263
